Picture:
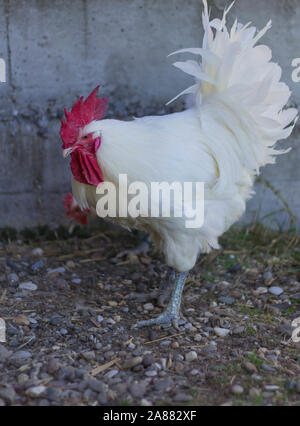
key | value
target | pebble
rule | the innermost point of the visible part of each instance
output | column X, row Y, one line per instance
column 163, row 385
column 260, row 290
column 254, row 393
column 250, row 367
column 238, row 330
column 89, row 355
column 13, row 278
column 182, row 397
column 148, row 307
column 138, row 389
column 4, row 353
column 96, row 385
column 38, row 265
column 221, row 332
column 7, row 393
column 271, row 388
column 36, row 391
column 111, row 374
column 191, row 356
column 60, row 270
column 21, row 355
column 237, row 390
column 197, row 338
column 30, row 286
column 148, row 360
column 194, row 372
column 22, row 378
column 151, row 373
column 37, row 252
column 53, row 394
column 76, row 281
column 277, row 291
column 132, row 362
column 227, row 300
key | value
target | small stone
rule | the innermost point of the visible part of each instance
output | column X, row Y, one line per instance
column 260, row 290
column 132, row 362
column 7, row 393
column 76, row 281
column 237, row 390
column 148, row 360
column 146, row 403
column 21, row 355
column 22, row 378
column 53, row 394
column 191, row 356
column 194, row 372
column 268, row 368
column 38, row 252
column 148, row 307
column 138, row 389
column 163, row 385
column 100, row 319
column 250, row 367
column 182, row 397
column 277, row 291
column 4, row 353
column 63, row 331
column 30, row 286
column 89, row 355
column 111, row 374
column 268, row 278
column 254, row 393
column 56, row 271
column 271, row 388
column 227, row 300
column 37, row 266
column 36, row 391
column 13, row 278
column 198, row 338
column 238, row 330
column 151, row 373
column 221, row 332
column 96, row 385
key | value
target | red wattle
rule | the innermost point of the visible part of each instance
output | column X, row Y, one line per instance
column 85, row 167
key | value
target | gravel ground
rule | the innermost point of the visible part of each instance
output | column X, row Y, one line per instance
column 69, row 305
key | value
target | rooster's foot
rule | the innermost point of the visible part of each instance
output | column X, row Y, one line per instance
column 171, row 316
column 166, row 320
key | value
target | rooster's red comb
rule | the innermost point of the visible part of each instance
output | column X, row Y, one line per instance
column 82, row 113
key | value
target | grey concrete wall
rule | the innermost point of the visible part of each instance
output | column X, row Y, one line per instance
column 58, row 50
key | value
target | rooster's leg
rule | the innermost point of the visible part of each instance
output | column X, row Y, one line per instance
column 171, row 316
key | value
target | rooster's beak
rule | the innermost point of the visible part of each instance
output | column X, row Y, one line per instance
column 67, row 152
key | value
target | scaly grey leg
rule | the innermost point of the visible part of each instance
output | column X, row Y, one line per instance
column 171, row 315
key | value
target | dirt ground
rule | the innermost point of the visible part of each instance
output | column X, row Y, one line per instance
column 70, row 304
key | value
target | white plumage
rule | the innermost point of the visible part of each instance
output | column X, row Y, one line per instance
column 223, row 139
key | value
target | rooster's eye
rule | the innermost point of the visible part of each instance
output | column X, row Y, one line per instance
column 85, row 137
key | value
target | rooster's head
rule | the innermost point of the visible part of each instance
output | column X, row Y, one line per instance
column 77, row 142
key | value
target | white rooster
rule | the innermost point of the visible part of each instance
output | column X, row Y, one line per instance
column 237, row 115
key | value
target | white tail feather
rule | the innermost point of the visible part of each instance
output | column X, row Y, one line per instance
column 239, row 77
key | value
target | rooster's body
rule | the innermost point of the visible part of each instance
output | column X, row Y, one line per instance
column 223, row 140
